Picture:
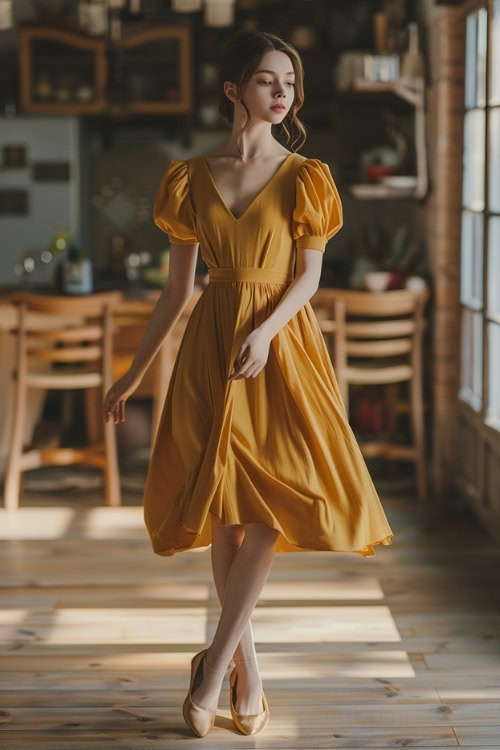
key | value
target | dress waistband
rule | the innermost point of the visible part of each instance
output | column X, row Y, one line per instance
column 269, row 275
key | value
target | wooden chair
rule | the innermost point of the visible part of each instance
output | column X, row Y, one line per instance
column 73, row 350
column 388, row 325
column 130, row 319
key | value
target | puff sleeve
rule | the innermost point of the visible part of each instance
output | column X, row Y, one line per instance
column 173, row 211
column 317, row 215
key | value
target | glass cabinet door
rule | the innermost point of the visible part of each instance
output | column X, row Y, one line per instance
column 155, row 71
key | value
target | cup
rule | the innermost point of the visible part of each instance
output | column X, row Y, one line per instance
column 376, row 281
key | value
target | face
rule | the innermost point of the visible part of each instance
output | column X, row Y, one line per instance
column 273, row 83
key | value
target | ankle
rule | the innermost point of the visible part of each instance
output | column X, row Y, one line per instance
column 245, row 659
column 248, row 665
column 218, row 667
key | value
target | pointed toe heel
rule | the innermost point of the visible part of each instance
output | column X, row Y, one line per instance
column 199, row 720
column 251, row 723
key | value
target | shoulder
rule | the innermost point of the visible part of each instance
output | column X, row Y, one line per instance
column 175, row 180
column 182, row 166
column 176, row 167
column 313, row 172
column 177, row 171
column 310, row 163
column 192, row 163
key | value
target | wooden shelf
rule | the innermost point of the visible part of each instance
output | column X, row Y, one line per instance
column 409, row 89
column 412, row 91
column 65, row 59
column 377, row 191
column 149, row 59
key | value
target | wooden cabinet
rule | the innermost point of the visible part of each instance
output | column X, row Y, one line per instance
column 61, row 71
column 66, row 71
column 156, row 65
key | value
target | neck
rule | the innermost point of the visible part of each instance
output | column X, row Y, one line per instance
column 255, row 143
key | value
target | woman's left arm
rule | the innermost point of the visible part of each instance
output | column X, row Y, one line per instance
column 300, row 291
column 254, row 351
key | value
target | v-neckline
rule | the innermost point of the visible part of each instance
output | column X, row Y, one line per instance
column 254, row 199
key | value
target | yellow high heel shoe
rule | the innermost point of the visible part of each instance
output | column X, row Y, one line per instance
column 200, row 720
column 251, row 723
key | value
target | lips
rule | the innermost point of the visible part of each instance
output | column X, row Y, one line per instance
column 279, row 109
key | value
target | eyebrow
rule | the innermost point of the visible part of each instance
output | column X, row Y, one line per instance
column 264, row 70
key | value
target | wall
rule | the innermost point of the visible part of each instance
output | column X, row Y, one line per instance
column 51, row 205
column 23, row 10
column 445, row 45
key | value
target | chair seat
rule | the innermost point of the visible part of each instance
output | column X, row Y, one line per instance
column 53, row 380
column 366, row 374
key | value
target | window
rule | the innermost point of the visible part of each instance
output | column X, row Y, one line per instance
column 480, row 225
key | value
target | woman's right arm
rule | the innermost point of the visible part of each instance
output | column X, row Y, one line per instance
column 168, row 309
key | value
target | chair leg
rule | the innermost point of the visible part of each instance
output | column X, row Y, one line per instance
column 391, row 404
column 12, row 484
column 111, row 471
column 67, row 411
column 417, row 421
column 93, row 401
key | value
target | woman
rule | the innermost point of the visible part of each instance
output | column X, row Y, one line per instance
column 261, row 459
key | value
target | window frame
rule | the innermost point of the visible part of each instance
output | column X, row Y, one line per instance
column 487, row 422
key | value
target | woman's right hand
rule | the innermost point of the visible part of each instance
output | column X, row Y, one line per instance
column 114, row 401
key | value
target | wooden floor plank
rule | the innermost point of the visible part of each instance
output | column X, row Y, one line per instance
column 97, row 634
column 219, row 738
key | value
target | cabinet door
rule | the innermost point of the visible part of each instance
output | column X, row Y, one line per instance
column 154, row 71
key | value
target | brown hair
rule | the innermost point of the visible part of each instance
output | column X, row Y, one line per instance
column 241, row 56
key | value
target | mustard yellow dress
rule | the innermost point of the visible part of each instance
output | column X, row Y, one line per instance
column 278, row 448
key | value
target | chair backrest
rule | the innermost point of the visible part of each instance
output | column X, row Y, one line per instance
column 72, row 331
column 133, row 316
column 394, row 326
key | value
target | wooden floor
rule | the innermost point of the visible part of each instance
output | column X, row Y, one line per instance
column 97, row 634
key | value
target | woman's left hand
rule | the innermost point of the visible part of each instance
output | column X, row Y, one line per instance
column 252, row 357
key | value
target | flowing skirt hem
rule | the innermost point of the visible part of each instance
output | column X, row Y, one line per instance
column 169, row 547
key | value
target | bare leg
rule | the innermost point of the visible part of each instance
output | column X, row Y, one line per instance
column 226, row 540
column 245, row 580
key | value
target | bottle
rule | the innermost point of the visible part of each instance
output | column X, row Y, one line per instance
column 83, row 14
column 77, row 272
column 97, row 18
column 412, row 62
